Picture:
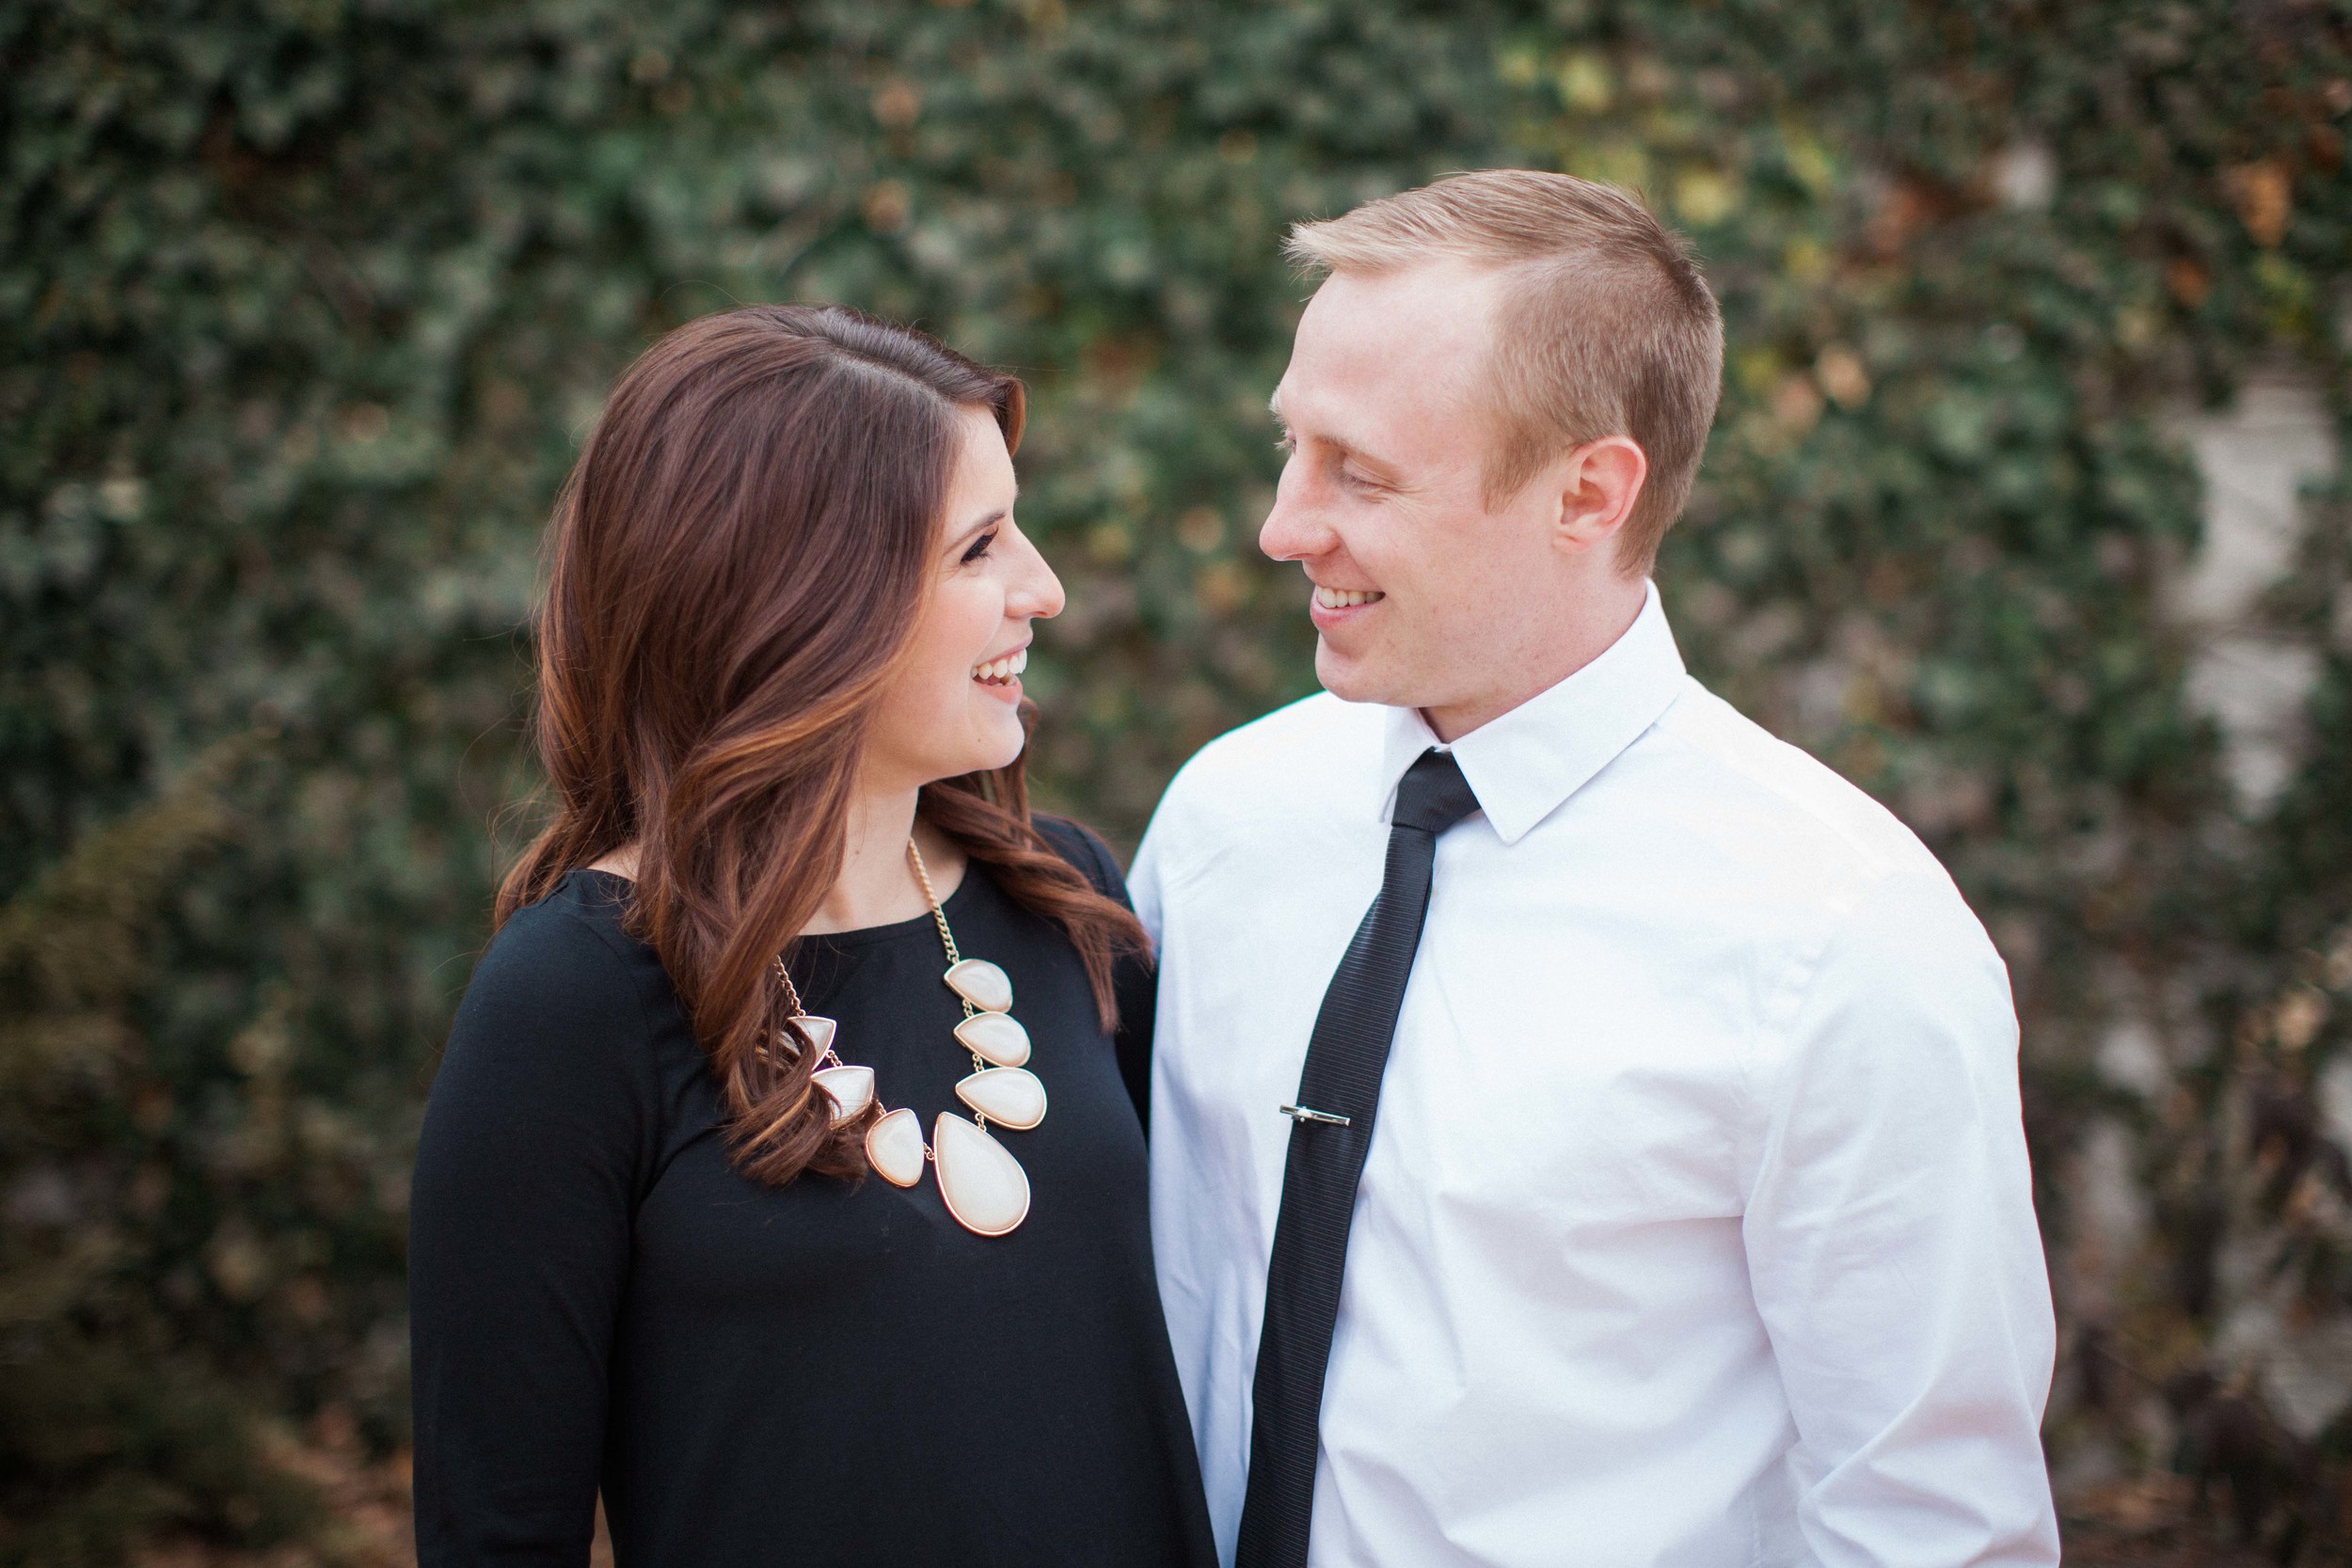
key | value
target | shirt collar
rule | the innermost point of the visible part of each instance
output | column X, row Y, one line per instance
column 1524, row 764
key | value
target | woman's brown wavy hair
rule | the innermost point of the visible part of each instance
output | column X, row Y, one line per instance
column 734, row 567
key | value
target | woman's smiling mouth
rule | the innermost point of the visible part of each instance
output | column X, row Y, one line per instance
column 1002, row 674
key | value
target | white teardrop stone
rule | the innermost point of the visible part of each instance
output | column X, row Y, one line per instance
column 983, row 983
column 986, row 1189
column 894, row 1146
column 997, row 1036
column 819, row 1030
column 1008, row 1096
column 852, row 1087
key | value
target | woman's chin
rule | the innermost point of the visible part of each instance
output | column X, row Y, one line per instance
column 1004, row 755
column 997, row 739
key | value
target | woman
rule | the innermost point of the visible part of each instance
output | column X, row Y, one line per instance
column 723, row 1204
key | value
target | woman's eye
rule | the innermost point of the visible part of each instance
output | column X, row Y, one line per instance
column 979, row 547
column 1286, row 442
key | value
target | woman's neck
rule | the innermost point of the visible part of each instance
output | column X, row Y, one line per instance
column 877, row 886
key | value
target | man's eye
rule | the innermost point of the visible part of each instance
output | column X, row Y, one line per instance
column 979, row 546
column 1286, row 442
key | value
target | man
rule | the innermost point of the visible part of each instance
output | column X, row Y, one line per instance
column 1695, row 1227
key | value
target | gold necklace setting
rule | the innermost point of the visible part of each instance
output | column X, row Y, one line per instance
column 981, row 1185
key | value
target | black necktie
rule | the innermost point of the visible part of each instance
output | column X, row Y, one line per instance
column 1339, row 1091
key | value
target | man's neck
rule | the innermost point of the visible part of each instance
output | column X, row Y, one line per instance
column 1591, row 633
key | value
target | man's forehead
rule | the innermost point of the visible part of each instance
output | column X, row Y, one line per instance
column 1414, row 339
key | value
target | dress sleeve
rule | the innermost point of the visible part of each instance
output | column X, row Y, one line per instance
column 541, row 1120
column 1893, row 1249
column 1135, row 980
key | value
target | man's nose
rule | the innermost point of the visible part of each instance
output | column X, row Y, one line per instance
column 1293, row 530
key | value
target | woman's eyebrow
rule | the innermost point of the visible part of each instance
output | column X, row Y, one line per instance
column 970, row 528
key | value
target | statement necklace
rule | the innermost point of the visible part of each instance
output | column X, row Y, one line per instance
column 983, row 1186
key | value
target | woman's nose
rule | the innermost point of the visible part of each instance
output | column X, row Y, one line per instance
column 1037, row 592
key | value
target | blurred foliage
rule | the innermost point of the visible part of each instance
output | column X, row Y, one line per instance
column 307, row 302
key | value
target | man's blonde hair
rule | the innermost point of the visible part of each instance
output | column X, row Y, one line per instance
column 1607, row 327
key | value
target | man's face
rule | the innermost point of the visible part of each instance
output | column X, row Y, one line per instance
column 1422, row 598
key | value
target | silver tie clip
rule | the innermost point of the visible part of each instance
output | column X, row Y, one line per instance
column 1302, row 1113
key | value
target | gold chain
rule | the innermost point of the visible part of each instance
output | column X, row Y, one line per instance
column 946, row 939
column 793, row 1008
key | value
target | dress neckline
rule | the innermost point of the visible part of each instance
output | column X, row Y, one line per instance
column 920, row 926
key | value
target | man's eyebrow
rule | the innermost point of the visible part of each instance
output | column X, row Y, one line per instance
column 1348, row 448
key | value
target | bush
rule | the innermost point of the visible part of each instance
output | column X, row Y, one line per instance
column 307, row 302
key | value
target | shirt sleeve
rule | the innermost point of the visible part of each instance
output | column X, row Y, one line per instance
column 1143, row 880
column 540, row 1119
column 1893, row 1248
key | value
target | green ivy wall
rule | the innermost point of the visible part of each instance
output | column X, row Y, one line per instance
column 304, row 305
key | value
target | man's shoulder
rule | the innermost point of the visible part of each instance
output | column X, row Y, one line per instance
column 1290, row 771
column 1294, row 752
column 1840, row 872
column 1818, row 818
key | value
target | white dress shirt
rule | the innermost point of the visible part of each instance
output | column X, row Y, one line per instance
column 1696, row 1226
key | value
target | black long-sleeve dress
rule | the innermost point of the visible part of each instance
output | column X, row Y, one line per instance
column 826, row 1373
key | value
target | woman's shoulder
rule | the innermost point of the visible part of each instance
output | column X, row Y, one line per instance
column 563, row 979
column 553, row 1072
column 574, row 935
column 1084, row 848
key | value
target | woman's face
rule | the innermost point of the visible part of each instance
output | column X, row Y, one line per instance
column 953, row 706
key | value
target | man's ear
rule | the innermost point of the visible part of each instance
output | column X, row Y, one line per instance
column 1601, row 483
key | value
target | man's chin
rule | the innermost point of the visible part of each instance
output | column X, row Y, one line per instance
column 1359, row 680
